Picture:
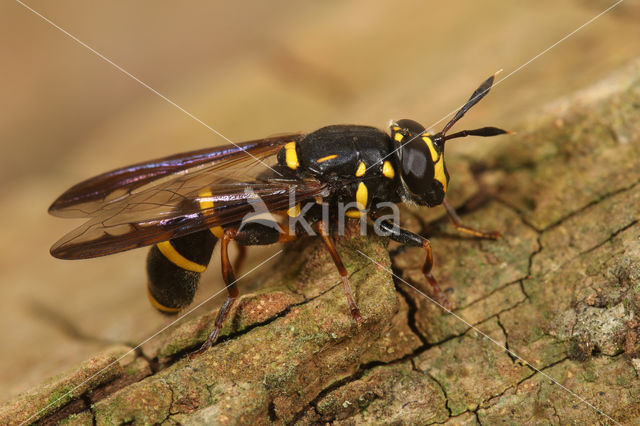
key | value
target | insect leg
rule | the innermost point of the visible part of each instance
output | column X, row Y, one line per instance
column 249, row 234
column 457, row 222
column 321, row 229
column 232, row 290
column 414, row 240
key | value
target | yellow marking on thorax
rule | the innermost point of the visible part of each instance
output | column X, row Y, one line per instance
column 291, row 156
column 398, row 137
column 294, row 211
column 206, row 202
column 327, row 158
column 177, row 259
column 319, row 200
column 362, row 196
column 438, row 162
column 387, row 170
column 361, row 169
column 159, row 306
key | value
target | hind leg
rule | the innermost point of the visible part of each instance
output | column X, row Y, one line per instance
column 232, row 290
column 248, row 234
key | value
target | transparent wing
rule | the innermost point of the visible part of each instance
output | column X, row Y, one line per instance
column 192, row 200
column 87, row 198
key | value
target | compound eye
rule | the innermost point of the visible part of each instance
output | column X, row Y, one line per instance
column 417, row 167
column 411, row 126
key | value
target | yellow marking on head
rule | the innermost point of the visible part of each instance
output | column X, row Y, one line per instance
column 361, row 169
column 395, row 128
column 327, row 158
column 291, row 156
column 177, row 259
column 362, row 196
column 439, row 174
column 398, row 137
column 206, row 202
column 387, row 170
column 438, row 162
column 294, row 211
column 354, row 214
column 319, row 200
column 159, row 306
column 432, row 149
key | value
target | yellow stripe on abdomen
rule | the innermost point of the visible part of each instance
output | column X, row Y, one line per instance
column 177, row 259
column 159, row 306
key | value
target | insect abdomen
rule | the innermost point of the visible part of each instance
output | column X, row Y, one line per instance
column 174, row 268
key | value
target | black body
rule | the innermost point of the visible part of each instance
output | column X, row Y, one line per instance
column 183, row 204
column 170, row 286
column 351, row 145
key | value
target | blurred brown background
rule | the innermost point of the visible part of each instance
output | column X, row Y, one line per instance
column 248, row 70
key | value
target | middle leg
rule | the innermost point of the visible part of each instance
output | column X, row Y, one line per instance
column 321, row 228
column 414, row 240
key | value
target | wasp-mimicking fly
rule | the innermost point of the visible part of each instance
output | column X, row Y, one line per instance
column 183, row 204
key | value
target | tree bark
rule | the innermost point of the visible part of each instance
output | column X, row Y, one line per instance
column 544, row 328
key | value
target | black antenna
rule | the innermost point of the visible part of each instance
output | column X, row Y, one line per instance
column 484, row 131
column 477, row 95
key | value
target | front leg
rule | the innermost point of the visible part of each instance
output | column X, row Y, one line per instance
column 457, row 222
column 414, row 240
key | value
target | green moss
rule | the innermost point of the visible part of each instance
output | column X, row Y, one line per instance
column 589, row 375
column 61, row 396
column 622, row 381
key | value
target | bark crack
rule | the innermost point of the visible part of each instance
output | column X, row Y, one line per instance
column 514, row 359
column 442, row 389
column 611, row 237
column 411, row 314
column 589, row 204
column 234, row 335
